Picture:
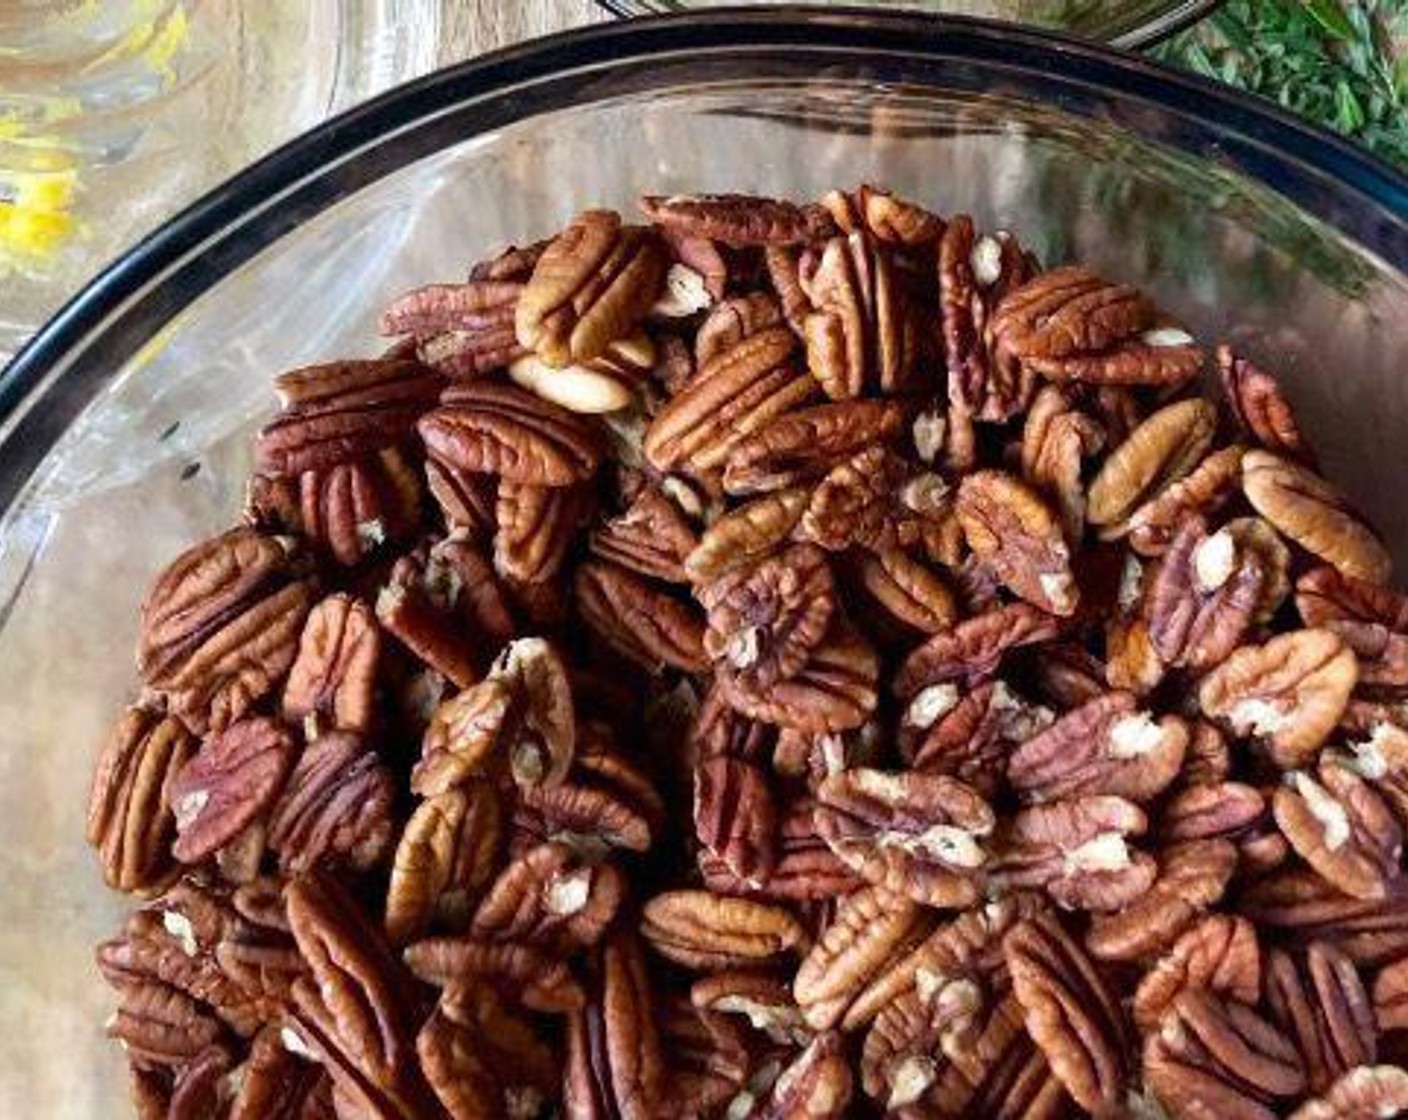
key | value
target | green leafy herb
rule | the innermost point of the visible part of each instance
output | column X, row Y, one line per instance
column 1340, row 63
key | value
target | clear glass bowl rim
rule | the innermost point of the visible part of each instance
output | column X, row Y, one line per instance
column 72, row 356
column 1170, row 22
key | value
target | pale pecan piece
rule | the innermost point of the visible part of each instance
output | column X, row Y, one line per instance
column 745, row 534
column 906, row 593
column 1078, row 852
column 1341, row 827
column 593, row 284
column 446, row 606
column 538, row 980
column 894, row 220
column 1203, row 597
column 1192, row 877
column 353, row 509
column 1107, row 746
column 357, row 1009
column 913, row 834
column 535, row 526
column 129, row 822
column 808, row 442
column 1162, row 450
column 1009, row 527
column 1288, row 693
column 737, row 393
column 705, row 931
column 1057, row 438
column 697, row 278
column 975, row 647
column 652, row 537
column 447, row 854
column 1203, row 490
column 835, row 690
column 639, row 619
column 220, row 626
column 336, row 807
column 615, row 1067
column 1070, row 1011
column 872, row 931
column 1217, row 1057
column 1314, row 514
column 334, row 676
column 228, row 785
column 864, row 331
column 1372, row 620
column 974, row 274
column 1365, row 1093
column 735, row 816
column 497, row 429
column 740, row 220
column 551, row 898
column 342, row 411
column 1219, row 954
column 1261, row 409
column 816, row 1086
column 1320, row 1002
column 605, row 384
column 764, row 621
column 1070, row 324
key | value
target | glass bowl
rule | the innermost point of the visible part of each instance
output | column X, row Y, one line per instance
column 126, row 424
column 1124, row 23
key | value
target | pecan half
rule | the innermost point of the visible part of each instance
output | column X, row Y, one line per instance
column 975, row 647
column 526, row 975
column 913, row 834
column 1372, row 620
column 639, row 619
column 816, row 1086
column 353, row 509
column 1287, row 693
column 464, row 330
column 1219, row 954
column 1009, row 527
column 1162, row 450
column 551, row 898
column 739, row 219
column 702, row 930
column 1204, row 490
column 593, row 284
column 894, row 220
column 652, row 537
column 1057, row 438
column 1320, row 1002
column 1311, row 512
column 746, row 534
column 1107, row 746
column 735, row 816
column 535, row 526
column 1070, row 1011
column 334, row 675
column 1365, row 1093
column 1299, row 906
column 806, row 443
column 129, row 821
column 1261, row 410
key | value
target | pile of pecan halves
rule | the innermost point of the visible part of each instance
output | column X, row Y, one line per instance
column 770, row 661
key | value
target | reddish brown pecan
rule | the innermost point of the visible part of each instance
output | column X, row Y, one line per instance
column 1339, row 825
column 592, row 285
column 1262, row 411
column 865, row 331
column 551, row 897
column 466, row 498
column 894, row 220
column 1288, row 693
column 1070, row 1011
column 856, row 503
column 974, row 274
column 746, row 533
column 535, row 526
column 1372, row 620
column 969, row 737
column 913, row 834
column 497, row 429
column 732, row 320
column 1219, row 954
column 652, row 537
column 463, row 330
column 1107, row 746
column 605, row 800
column 1009, row 527
column 524, row 974
column 739, row 219
column 342, row 411
column 1162, row 450
column 129, row 820
column 806, row 443
column 1192, row 877
column 1299, row 906
column 735, row 816
column 975, row 647
column 1320, row 1002
column 228, row 785
column 702, row 930
column 1203, row 810
column 1311, row 512
column 1078, row 852
column 639, row 619
column 1365, row 1093
column 335, row 808
column 909, row 597
column 1204, row 490
column 334, row 676
column 1057, row 438
column 352, row 509
column 1217, row 1057
column 220, row 626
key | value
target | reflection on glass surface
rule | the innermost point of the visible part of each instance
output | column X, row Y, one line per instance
column 160, row 448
